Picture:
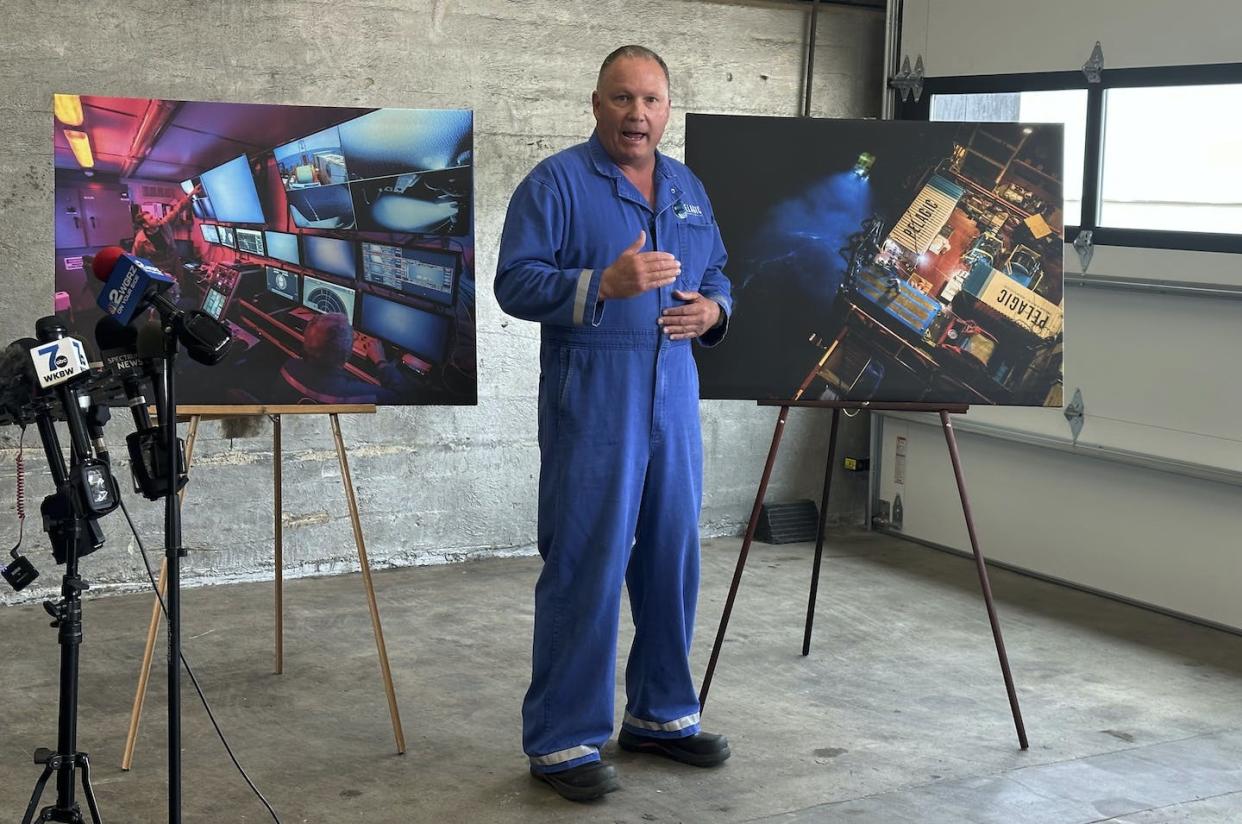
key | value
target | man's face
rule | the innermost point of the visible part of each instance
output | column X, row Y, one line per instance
column 631, row 110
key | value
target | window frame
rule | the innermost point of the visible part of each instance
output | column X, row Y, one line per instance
column 1197, row 75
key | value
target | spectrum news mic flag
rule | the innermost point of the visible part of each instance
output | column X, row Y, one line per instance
column 132, row 285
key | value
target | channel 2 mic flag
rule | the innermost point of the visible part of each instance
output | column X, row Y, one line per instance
column 128, row 284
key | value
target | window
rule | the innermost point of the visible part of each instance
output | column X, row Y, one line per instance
column 1172, row 159
column 1152, row 156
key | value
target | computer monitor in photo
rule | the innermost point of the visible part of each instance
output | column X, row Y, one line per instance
column 425, row 273
column 284, row 284
column 213, row 303
column 210, row 232
column 227, row 238
column 328, row 297
column 233, row 194
column 331, row 255
column 390, row 142
column 425, row 203
column 316, row 182
column 250, row 240
column 415, row 330
column 312, row 161
column 283, row 246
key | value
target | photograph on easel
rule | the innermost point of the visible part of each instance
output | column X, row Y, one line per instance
column 886, row 261
column 335, row 244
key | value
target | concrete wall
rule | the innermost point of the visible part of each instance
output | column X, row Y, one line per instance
column 434, row 484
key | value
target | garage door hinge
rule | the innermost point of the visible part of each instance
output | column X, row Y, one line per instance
column 1074, row 413
column 909, row 81
column 1094, row 65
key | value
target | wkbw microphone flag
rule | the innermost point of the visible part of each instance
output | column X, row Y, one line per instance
column 58, row 361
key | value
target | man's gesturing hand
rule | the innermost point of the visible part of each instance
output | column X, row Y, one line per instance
column 635, row 272
column 691, row 319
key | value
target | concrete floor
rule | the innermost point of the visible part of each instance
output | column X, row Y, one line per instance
column 898, row 715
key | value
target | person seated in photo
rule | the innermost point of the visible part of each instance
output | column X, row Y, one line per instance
column 320, row 374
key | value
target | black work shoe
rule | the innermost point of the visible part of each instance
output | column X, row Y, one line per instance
column 702, row 749
column 585, row 782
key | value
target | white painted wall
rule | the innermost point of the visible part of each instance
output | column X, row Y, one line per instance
column 959, row 37
column 1153, row 537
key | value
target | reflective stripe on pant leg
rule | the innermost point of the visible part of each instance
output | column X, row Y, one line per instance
column 676, row 725
column 554, row 759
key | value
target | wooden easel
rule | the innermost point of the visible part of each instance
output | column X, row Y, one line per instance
column 194, row 415
column 836, row 407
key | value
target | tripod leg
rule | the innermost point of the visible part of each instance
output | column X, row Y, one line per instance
column 278, row 507
column 741, row 557
column 38, row 793
column 84, row 762
column 819, row 535
column 370, row 587
column 984, row 582
column 153, row 628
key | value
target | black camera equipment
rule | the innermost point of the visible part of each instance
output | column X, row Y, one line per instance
column 128, row 357
column 47, row 380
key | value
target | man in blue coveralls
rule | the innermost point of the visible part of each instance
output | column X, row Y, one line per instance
column 612, row 247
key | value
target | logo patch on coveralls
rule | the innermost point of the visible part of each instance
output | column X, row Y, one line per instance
column 684, row 210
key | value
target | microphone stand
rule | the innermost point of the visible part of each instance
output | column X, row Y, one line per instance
column 67, row 617
column 166, row 398
column 85, row 491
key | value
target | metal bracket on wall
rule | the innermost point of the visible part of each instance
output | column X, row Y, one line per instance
column 909, row 81
column 1095, row 64
column 1084, row 245
column 1075, row 413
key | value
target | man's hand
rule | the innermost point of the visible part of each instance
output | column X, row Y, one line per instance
column 374, row 350
column 635, row 272
column 691, row 319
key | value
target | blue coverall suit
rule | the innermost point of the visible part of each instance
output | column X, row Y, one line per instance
column 620, row 478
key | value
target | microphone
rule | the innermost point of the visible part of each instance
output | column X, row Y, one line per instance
column 148, row 449
column 60, row 362
column 133, row 284
column 18, row 394
column 118, row 348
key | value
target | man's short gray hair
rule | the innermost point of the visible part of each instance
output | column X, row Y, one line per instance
column 641, row 52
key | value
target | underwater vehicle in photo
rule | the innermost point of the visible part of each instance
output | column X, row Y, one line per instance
column 862, row 167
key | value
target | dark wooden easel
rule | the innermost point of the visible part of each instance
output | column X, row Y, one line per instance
column 836, row 406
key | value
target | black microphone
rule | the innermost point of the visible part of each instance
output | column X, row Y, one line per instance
column 148, row 450
column 66, row 365
column 118, row 348
column 205, row 339
column 151, row 353
column 18, row 392
column 60, row 363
